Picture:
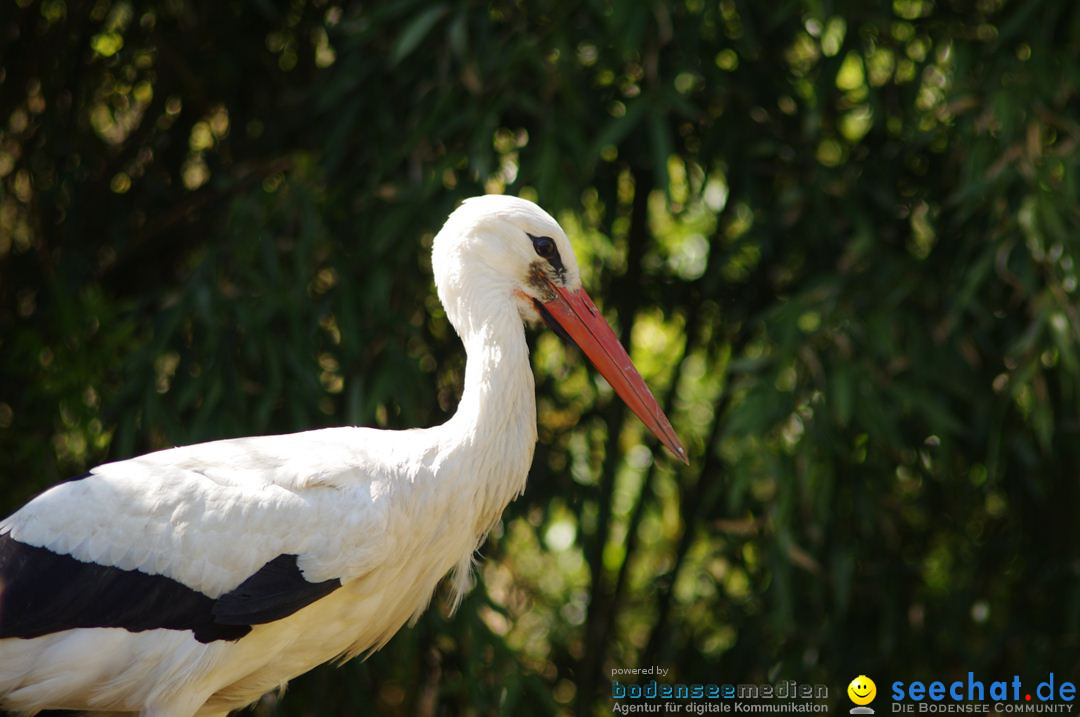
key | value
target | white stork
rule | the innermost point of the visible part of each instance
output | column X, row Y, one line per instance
column 192, row 580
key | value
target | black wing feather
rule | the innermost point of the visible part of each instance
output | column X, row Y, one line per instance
column 276, row 590
column 43, row 592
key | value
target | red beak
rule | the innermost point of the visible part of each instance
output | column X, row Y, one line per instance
column 578, row 316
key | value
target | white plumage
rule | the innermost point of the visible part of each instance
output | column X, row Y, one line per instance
column 236, row 565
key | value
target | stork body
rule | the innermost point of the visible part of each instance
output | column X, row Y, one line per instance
column 191, row 581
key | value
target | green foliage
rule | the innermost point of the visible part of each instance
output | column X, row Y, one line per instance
column 840, row 237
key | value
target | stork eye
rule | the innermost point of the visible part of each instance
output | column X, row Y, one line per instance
column 544, row 246
column 546, row 249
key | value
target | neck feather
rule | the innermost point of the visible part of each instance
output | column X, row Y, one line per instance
column 495, row 423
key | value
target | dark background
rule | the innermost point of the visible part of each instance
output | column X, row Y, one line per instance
column 840, row 238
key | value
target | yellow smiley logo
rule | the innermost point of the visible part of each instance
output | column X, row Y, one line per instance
column 862, row 690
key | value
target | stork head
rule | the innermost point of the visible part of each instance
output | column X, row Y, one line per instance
column 498, row 248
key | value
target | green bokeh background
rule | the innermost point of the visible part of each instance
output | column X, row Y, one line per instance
column 840, row 239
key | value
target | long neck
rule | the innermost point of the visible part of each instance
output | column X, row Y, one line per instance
column 495, row 423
